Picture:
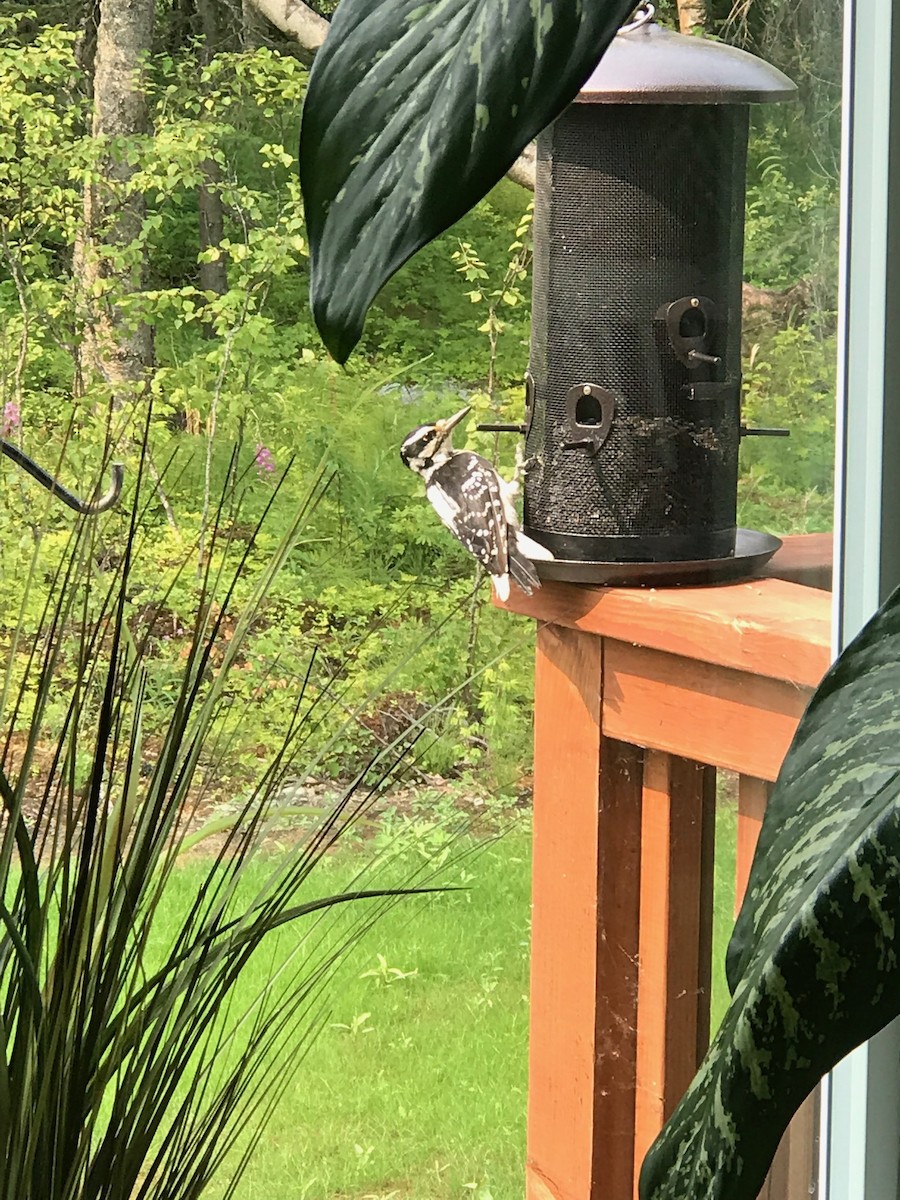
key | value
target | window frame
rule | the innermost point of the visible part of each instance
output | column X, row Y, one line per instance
column 861, row 1108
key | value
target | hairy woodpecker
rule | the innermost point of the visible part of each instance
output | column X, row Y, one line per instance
column 475, row 504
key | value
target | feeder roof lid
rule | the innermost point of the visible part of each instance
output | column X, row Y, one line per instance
column 653, row 65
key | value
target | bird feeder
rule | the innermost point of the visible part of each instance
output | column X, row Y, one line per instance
column 633, row 402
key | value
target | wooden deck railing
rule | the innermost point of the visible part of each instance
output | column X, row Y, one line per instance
column 640, row 696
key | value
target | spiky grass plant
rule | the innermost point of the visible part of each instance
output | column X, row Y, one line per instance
column 127, row 1069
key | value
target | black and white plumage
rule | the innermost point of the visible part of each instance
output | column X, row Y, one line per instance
column 475, row 503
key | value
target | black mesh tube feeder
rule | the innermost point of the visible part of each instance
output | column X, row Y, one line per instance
column 633, row 421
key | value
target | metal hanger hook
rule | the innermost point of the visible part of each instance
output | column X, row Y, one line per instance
column 90, row 508
column 641, row 15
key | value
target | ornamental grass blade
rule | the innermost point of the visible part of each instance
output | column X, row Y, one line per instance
column 813, row 963
column 131, row 1065
column 415, row 109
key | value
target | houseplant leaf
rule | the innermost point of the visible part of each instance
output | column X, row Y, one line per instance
column 415, row 109
column 813, row 963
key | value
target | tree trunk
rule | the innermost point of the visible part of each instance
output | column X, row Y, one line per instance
column 692, row 16
column 86, row 45
column 118, row 349
column 213, row 276
column 253, row 26
column 301, row 23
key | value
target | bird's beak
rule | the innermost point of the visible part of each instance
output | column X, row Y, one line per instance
column 444, row 427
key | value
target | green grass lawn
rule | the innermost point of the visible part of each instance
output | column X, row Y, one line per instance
column 416, row 1084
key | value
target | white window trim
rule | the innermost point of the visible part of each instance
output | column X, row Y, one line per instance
column 861, row 1109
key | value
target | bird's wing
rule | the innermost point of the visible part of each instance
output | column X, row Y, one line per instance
column 466, row 495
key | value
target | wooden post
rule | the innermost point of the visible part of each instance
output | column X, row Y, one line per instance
column 753, row 796
column 639, row 695
column 618, row 895
column 585, row 904
column 794, row 1169
column 678, row 828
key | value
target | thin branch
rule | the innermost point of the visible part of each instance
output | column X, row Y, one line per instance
column 161, row 495
column 15, row 270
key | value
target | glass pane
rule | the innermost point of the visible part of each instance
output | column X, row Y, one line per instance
column 381, row 621
column 791, row 269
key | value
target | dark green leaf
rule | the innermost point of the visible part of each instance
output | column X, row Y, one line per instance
column 416, row 108
column 813, row 962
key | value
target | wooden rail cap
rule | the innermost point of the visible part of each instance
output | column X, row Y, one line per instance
column 765, row 627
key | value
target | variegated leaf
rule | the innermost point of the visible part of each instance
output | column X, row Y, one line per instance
column 415, row 109
column 813, row 962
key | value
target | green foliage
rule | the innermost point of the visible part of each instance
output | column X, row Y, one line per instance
column 792, row 220
column 424, row 310
column 813, row 962
column 41, row 119
column 241, row 368
column 790, row 383
column 125, row 1069
column 245, row 369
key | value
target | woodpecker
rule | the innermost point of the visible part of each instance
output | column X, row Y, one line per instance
column 475, row 504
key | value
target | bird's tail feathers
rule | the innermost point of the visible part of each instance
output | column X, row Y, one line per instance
column 501, row 586
column 532, row 549
column 522, row 550
column 523, row 571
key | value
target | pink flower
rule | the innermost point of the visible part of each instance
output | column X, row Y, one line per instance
column 265, row 463
column 11, row 419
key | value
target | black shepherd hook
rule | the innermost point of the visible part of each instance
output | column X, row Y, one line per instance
column 88, row 507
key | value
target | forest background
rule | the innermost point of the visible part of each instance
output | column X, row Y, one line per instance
column 153, row 273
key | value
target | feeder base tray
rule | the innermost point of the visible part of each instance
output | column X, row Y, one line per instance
column 752, row 550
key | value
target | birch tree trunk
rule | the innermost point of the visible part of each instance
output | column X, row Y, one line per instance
column 692, row 16
column 116, row 348
column 296, row 19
